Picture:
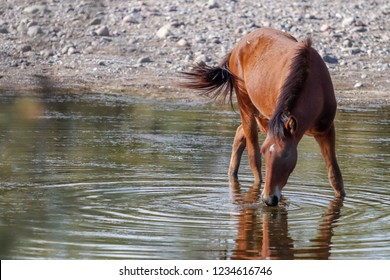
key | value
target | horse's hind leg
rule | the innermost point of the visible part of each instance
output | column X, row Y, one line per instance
column 238, row 148
column 327, row 145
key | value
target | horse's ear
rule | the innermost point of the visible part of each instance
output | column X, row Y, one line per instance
column 291, row 125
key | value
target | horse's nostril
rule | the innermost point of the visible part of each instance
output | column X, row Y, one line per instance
column 271, row 200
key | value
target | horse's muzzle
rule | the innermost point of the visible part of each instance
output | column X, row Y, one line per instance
column 271, row 200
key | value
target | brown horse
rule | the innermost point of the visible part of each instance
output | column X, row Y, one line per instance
column 284, row 89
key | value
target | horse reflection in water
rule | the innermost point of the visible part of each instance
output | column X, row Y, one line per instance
column 283, row 89
column 263, row 232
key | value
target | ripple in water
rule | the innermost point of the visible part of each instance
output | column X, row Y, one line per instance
column 121, row 177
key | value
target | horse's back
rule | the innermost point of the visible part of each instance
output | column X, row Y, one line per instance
column 262, row 61
column 262, row 46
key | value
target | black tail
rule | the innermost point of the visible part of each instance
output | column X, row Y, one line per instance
column 214, row 82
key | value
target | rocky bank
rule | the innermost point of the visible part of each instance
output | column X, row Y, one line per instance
column 138, row 47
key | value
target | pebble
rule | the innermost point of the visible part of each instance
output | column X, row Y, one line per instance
column 325, row 27
column 72, row 50
column 26, row 48
column 34, row 9
column 34, row 31
column 32, row 23
column 310, row 16
column 103, row 31
column 3, row 30
column 47, row 53
column 212, row 4
column 164, row 31
column 66, row 48
column 130, row 19
column 358, row 85
column 182, row 43
column 352, row 50
column 145, row 59
column 359, row 29
column 330, row 59
column 347, row 43
column 96, row 21
column 89, row 50
column 348, row 21
column 200, row 59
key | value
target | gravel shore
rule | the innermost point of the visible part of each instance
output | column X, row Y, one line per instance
column 138, row 47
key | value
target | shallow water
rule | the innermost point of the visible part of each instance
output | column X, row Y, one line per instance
column 119, row 177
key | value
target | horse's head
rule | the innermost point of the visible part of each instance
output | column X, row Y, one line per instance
column 280, row 154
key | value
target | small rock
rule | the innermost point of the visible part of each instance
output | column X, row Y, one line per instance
column 34, row 9
column 3, row 30
column 145, row 59
column 47, row 53
column 325, row 27
column 216, row 41
column 330, row 59
column 89, row 50
column 359, row 29
column 172, row 8
column 72, row 50
column 266, row 23
column 24, row 62
column 14, row 64
column 164, row 31
column 348, row 21
column 347, row 43
column 200, row 59
column 34, row 31
column 130, row 19
column 352, row 50
column 65, row 49
column 358, row 85
column 26, row 48
column 359, row 22
column 310, row 16
column 32, row 23
column 212, row 4
column 96, row 21
column 182, row 43
column 103, row 31
column 239, row 30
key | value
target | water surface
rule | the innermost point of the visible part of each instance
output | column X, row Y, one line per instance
column 119, row 177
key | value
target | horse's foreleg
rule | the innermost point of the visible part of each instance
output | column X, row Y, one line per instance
column 238, row 148
column 327, row 145
column 250, row 128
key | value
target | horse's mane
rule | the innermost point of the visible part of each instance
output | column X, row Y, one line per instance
column 299, row 69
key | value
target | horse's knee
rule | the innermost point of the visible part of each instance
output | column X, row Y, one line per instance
column 238, row 148
column 240, row 134
column 233, row 174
